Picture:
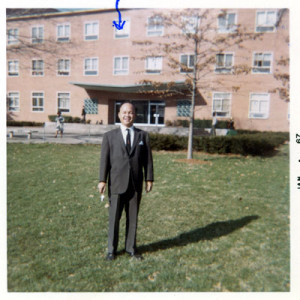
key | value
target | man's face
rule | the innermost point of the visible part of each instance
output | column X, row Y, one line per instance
column 127, row 115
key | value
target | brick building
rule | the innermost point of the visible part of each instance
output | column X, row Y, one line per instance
column 64, row 60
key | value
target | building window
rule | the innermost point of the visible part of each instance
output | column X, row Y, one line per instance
column 154, row 65
column 155, row 26
column 63, row 32
column 63, row 102
column 14, row 101
column 190, row 24
column 123, row 33
column 12, row 36
column 91, row 106
column 91, row 66
column 91, row 31
column 187, row 63
column 37, row 67
column 63, row 67
column 262, row 63
column 266, row 21
column 227, row 23
column 37, row 101
column 13, row 68
column 121, row 65
column 224, row 63
column 259, row 106
column 37, row 34
column 183, row 108
column 221, row 104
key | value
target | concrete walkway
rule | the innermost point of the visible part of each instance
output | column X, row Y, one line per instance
column 84, row 133
column 41, row 137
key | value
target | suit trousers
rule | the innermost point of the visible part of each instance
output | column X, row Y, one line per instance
column 131, row 201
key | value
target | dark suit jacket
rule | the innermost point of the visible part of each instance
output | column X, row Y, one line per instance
column 117, row 165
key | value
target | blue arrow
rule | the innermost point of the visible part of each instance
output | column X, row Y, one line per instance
column 120, row 24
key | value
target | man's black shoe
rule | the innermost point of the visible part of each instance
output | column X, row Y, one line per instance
column 110, row 257
column 135, row 255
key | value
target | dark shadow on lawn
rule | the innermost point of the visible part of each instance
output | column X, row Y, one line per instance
column 209, row 232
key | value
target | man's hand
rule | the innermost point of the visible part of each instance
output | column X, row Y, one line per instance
column 101, row 187
column 149, row 185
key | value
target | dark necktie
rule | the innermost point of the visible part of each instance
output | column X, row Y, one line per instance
column 128, row 141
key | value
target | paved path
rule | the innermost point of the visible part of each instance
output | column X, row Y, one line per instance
column 85, row 134
column 68, row 138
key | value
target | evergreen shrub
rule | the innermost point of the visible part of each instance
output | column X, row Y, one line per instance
column 244, row 144
column 199, row 123
column 24, row 124
column 68, row 119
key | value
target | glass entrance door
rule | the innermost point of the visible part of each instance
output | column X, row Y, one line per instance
column 147, row 112
column 157, row 113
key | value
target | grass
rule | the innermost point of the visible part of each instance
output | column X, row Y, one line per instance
column 221, row 225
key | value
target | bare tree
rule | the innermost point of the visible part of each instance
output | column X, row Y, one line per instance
column 281, row 72
column 25, row 46
column 195, row 31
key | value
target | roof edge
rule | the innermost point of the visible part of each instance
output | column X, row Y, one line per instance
column 66, row 13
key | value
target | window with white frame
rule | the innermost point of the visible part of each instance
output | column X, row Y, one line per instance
column 37, row 101
column 63, row 102
column 63, row 32
column 154, row 64
column 259, row 106
column 13, row 68
column 13, row 101
column 124, row 32
column 183, row 108
column 266, row 20
column 187, row 62
column 91, row 30
column 224, row 63
column 155, row 26
column 12, row 36
column 121, row 65
column 91, row 66
column 262, row 62
column 63, row 67
column 227, row 23
column 190, row 24
column 37, row 67
column 221, row 104
column 37, row 34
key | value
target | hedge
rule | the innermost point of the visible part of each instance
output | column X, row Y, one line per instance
column 198, row 123
column 244, row 144
column 24, row 124
column 68, row 119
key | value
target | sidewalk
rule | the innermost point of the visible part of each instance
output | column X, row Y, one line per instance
column 86, row 133
column 78, row 134
column 68, row 138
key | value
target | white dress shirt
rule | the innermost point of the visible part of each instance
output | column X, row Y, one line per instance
column 124, row 133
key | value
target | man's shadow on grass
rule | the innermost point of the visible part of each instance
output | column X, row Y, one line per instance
column 209, row 232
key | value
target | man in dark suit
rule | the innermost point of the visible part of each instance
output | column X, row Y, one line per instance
column 126, row 160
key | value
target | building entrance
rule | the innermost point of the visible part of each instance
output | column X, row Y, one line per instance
column 147, row 112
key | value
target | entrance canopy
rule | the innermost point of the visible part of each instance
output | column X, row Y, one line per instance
column 134, row 88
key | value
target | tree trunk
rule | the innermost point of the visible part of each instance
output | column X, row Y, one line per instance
column 192, row 113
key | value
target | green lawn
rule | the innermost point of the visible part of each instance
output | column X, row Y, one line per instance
column 222, row 225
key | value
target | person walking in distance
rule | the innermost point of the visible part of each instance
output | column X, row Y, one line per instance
column 83, row 114
column 214, row 123
column 59, row 124
column 125, row 162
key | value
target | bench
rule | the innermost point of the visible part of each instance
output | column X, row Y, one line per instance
column 29, row 133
